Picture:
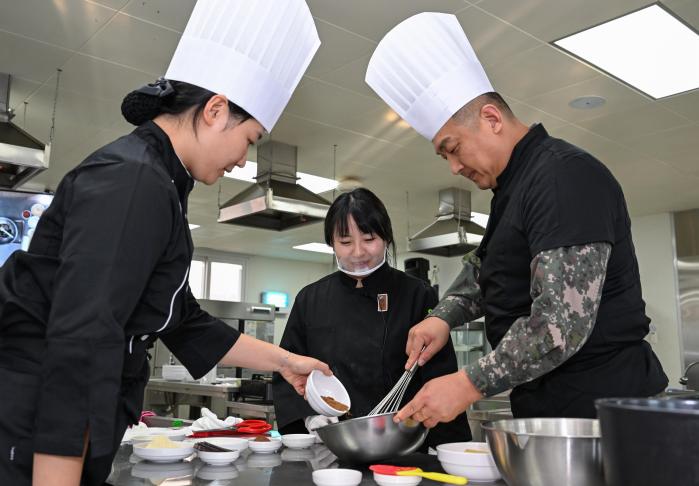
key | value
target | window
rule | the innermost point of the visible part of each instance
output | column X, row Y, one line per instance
column 217, row 277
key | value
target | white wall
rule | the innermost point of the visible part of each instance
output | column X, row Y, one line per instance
column 653, row 237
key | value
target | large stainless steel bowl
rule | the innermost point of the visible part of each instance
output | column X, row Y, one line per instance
column 547, row 451
column 367, row 439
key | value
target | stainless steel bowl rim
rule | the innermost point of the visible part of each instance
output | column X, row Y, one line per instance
column 359, row 419
column 490, row 426
column 649, row 405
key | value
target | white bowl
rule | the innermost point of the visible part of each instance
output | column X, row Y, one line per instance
column 213, row 473
column 147, row 435
column 455, row 453
column 263, row 460
column 337, row 477
column 155, row 471
column 232, row 443
column 390, row 480
column 319, row 385
column 165, row 454
column 218, row 458
column 266, row 447
column 474, row 474
column 298, row 441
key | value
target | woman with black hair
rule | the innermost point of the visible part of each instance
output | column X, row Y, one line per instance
column 357, row 320
column 106, row 273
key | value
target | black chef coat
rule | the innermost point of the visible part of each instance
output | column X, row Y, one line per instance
column 553, row 194
column 104, row 277
column 340, row 324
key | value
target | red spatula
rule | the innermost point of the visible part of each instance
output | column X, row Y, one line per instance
column 416, row 471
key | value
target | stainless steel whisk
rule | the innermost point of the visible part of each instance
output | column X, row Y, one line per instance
column 391, row 402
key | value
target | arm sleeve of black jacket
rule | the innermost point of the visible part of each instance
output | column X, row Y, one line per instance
column 118, row 221
column 289, row 406
column 574, row 203
column 200, row 341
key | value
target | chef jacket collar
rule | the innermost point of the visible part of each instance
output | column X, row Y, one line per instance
column 520, row 152
column 160, row 141
column 372, row 284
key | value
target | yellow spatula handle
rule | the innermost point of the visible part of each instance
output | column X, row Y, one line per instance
column 434, row 476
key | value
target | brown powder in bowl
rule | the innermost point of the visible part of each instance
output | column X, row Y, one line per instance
column 335, row 404
column 262, row 438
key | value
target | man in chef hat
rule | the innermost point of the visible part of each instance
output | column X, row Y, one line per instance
column 555, row 275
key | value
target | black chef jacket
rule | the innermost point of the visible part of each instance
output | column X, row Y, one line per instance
column 104, row 277
column 340, row 324
column 553, row 194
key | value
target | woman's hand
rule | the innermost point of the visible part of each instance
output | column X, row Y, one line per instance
column 296, row 368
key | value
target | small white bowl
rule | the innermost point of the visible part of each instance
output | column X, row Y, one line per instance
column 298, row 441
column 258, row 460
column 475, row 474
column 163, row 455
column 266, row 447
column 232, row 443
column 337, row 477
column 218, row 458
column 390, row 480
column 318, row 385
column 147, row 435
column 456, row 453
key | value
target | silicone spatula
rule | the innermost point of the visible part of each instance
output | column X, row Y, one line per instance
column 416, row 471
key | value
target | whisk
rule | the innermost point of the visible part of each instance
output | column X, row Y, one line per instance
column 391, row 402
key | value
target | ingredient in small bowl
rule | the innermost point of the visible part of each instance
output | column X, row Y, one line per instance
column 335, row 404
column 162, row 442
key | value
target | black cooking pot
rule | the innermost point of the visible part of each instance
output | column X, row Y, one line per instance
column 649, row 441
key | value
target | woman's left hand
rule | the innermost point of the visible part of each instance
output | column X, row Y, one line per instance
column 296, row 369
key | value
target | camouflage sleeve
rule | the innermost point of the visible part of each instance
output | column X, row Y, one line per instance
column 566, row 288
column 462, row 301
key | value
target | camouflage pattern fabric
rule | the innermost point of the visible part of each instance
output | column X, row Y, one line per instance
column 462, row 302
column 566, row 289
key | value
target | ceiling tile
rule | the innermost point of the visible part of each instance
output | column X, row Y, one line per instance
column 384, row 124
column 20, row 89
column 351, row 76
column 537, row 71
column 549, row 20
column 686, row 104
column 139, row 45
column 338, row 47
column 618, row 98
column 669, row 143
column 493, row 40
column 28, row 59
column 114, row 4
column 325, row 103
column 101, row 79
column 629, row 124
column 529, row 115
column 166, row 13
column 687, row 10
column 373, row 19
column 66, row 23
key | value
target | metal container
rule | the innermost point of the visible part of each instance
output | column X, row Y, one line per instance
column 547, row 451
column 649, row 440
column 372, row 438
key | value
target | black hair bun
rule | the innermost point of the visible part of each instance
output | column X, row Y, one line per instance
column 138, row 107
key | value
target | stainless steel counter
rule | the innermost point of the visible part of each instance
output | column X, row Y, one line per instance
column 287, row 467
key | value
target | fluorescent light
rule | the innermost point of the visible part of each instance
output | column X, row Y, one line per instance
column 480, row 219
column 317, row 247
column 193, row 226
column 311, row 182
column 649, row 49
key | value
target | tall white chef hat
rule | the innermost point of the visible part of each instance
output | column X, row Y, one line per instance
column 252, row 51
column 426, row 70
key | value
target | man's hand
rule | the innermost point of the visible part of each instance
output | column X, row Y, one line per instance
column 433, row 332
column 296, row 369
column 441, row 400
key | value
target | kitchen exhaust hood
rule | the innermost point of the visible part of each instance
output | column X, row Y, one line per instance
column 21, row 155
column 452, row 233
column 276, row 201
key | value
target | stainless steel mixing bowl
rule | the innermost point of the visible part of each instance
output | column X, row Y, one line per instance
column 368, row 439
column 547, row 451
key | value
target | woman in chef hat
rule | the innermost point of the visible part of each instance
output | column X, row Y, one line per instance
column 106, row 273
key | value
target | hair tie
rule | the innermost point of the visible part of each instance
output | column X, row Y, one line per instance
column 161, row 88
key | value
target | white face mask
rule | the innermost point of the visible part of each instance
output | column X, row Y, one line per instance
column 361, row 272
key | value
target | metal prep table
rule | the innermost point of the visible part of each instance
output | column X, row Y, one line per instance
column 284, row 468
